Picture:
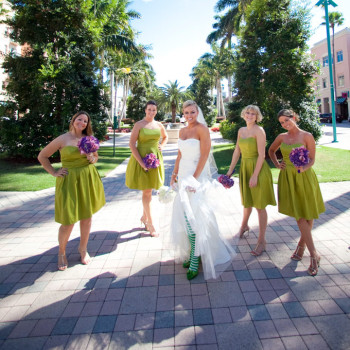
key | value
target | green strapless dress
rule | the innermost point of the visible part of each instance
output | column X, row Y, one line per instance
column 299, row 194
column 262, row 194
column 138, row 179
column 80, row 193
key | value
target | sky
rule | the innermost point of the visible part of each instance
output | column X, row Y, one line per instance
column 176, row 31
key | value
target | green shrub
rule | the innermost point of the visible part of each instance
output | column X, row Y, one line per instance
column 228, row 130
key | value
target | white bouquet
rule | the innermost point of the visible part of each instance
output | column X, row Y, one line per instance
column 166, row 194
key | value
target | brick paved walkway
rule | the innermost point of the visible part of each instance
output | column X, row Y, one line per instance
column 133, row 296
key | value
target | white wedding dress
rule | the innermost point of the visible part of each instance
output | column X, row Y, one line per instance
column 199, row 207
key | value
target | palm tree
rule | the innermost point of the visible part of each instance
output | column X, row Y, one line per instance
column 335, row 18
column 219, row 65
column 173, row 96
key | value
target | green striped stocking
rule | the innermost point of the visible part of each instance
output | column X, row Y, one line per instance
column 194, row 260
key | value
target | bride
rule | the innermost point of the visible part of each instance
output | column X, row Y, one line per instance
column 194, row 228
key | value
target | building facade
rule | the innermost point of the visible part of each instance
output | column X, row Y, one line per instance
column 341, row 77
column 6, row 46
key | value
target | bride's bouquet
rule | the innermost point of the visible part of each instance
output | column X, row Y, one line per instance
column 166, row 194
column 151, row 161
column 299, row 157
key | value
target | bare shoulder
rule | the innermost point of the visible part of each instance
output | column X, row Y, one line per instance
column 161, row 126
column 203, row 129
column 307, row 136
column 259, row 130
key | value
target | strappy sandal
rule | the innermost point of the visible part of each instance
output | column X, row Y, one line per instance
column 298, row 253
column 62, row 263
column 86, row 259
column 152, row 230
column 243, row 230
column 314, row 265
column 259, row 249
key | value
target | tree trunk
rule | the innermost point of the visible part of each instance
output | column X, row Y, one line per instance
column 173, row 113
column 229, row 87
column 218, row 97
column 115, row 94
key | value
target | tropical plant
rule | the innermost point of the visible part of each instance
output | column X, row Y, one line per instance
column 173, row 96
column 218, row 64
column 272, row 49
column 335, row 19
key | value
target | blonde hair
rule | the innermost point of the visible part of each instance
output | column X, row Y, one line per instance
column 289, row 113
column 254, row 108
column 189, row 103
column 88, row 130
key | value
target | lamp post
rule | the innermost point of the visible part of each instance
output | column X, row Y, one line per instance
column 325, row 3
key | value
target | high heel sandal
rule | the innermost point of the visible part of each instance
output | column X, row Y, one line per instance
column 152, row 230
column 243, row 230
column 256, row 251
column 298, row 253
column 314, row 265
column 144, row 222
column 86, row 259
column 62, row 263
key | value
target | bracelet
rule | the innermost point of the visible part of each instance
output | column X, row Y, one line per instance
column 174, row 174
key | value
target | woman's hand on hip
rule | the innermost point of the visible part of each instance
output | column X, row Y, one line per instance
column 61, row 172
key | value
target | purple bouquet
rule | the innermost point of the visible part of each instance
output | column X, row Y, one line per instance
column 226, row 181
column 151, row 161
column 88, row 144
column 299, row 156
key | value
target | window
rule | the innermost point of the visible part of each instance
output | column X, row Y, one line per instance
column 324, row 83
column 341, row 81
column 340, row 56
column 325, row 61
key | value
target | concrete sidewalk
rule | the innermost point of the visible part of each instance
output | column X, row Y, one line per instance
column 133, row 296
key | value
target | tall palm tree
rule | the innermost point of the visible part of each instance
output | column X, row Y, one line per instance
column 218, row 64
column 173, row 96
column 335, row 19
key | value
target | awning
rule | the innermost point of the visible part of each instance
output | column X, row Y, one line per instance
column 341, row 100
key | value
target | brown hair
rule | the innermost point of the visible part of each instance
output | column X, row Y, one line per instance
column 88, row 130
column 287, row 113
column 254, row 108
column 151, row 102
column 189, row 103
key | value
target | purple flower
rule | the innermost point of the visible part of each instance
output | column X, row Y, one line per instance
column 299, row 156
column 226, row 181
column 88, row 144
column 151, row 161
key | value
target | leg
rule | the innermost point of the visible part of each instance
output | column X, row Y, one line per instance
column 260, row 247
column 244, row 225
column 85, row 228
column 306, row 236
column 147, row 217
column 194, row 260
column 63, row 237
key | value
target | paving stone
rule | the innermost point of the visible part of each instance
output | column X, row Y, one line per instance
column 266, row 329
column 185, row 336
column 64, row 325
column 183, row 318
column 242, row 334
column 141, row 339
column 205, row 334
column 273, row 343
column 139, row 300
column 225, row 294
column 145, row 321
column 334, row 330
column 258, row 312
column 164, row 319
column 296, row 343
column 202, row 317
column 315, row 342
column 285, row 327
column 295, row 309
column 304, row 326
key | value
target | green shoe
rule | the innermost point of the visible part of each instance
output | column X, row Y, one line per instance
column 191, row 274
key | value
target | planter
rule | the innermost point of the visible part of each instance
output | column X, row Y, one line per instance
column 173, row 130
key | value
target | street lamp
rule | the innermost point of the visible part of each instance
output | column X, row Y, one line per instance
column 325, row 3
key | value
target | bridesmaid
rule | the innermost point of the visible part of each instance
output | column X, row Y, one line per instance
column 299, row 194
column 255, row 178
column 79, row 189
column 146, row 133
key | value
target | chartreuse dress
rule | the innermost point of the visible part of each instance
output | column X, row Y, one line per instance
column 262, row 194
column 299, row 194
column 136, row 177
column 80, row 193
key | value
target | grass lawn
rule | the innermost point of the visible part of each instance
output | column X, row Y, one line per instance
column 332, row 164
column 32, row 177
